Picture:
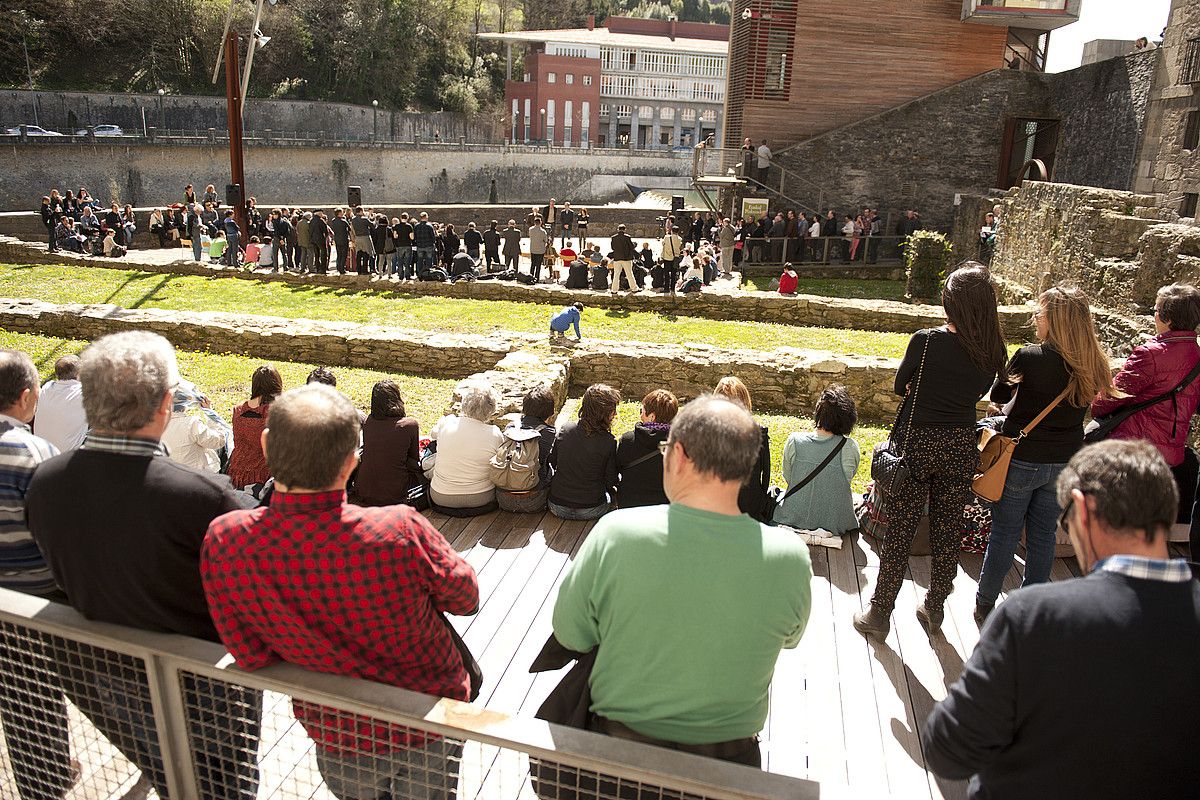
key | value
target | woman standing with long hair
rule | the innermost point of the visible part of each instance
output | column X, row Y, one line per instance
column 1069, row 369
column 948, row 369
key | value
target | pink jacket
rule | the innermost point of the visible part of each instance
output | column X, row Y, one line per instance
column 1152, row 369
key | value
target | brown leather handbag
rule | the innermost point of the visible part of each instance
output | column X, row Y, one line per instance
column 996, row 452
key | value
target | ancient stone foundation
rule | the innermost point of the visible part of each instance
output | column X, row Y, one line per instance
column 786, row 380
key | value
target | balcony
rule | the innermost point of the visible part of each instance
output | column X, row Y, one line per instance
column 1042, row 15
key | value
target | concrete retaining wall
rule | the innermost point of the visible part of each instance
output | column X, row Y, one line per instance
column 318, row 174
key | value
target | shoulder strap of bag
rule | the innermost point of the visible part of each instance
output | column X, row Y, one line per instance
column 643, row 459
column 911, row 400
column 1179, row 387
column 808, row 478
column 1037, row 420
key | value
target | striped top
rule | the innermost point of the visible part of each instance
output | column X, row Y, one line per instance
column 22, row 567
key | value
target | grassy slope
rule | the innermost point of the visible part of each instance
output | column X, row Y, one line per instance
column 193, row 293
column 226, row 378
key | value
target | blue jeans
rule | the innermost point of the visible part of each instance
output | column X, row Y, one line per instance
column 1029, row 502
column 567, row 512
column 401, row 261
column 197, row 248
column 231, row 251
column 425, row 257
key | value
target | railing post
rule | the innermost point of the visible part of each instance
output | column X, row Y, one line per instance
column 170, row 722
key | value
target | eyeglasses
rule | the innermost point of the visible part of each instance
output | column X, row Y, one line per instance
column 1065, row 515
column 663, row 447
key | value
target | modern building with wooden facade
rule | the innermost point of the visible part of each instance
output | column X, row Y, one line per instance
column 799, row 68
column 641, row 83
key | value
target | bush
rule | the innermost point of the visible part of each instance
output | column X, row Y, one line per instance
column 926, row 256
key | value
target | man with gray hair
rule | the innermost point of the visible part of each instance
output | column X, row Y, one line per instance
column 688, row 603
column 1087, row 687
column 388, row 628
column 121, row 526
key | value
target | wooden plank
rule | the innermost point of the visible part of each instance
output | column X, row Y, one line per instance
column 865, row 764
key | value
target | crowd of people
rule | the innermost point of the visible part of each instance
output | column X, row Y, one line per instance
column 309, row 549
column 552, row 243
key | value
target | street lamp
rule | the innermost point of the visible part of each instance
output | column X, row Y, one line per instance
column 374, row 119
column 161, row 113
column 542, row 130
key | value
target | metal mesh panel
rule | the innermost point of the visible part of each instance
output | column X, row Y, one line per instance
column 312, row 751
column 104, row 739
column 130, row 714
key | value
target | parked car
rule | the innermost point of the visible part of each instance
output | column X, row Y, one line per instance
column 33, row 130
column 103, row 130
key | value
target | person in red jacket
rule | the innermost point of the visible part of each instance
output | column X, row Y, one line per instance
column 788, row 281
column 1157, row 367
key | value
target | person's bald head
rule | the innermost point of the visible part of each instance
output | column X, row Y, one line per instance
column 719, row 437
column 311, row 434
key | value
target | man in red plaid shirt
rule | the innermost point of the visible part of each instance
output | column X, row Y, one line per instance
column 314, row 581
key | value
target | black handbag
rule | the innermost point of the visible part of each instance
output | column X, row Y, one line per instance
column 1101, row 427
column 889, row 469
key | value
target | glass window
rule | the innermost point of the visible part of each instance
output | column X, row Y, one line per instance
column 568, row 78
column 551, row 77
column 587, row 80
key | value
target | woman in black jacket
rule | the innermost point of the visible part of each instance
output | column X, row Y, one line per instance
column 639, row 460
column 946, row 370
column 753, row 498
column 49, row 219
column 584, row 458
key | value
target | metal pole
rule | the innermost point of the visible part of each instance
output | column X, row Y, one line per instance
column 224, row 33
column 237, row 169
column 251, row 46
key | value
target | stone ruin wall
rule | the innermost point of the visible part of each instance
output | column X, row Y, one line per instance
column 1119, row 247
column 786, row 380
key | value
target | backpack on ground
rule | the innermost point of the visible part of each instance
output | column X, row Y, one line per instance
column 515, row 465
column 526, row 278
column 438, row 275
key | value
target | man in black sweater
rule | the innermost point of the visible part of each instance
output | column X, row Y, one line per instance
column 121, row 526
column 1086, row 687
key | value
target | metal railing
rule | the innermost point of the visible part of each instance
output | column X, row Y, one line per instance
column 318, row 138
column 776, row 179
column 150, row 710
column 773, row 252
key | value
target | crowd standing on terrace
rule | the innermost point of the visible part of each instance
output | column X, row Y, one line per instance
column 694, row 558
column 690, row 253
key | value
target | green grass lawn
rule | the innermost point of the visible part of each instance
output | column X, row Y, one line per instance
column 226, row 379
column 834, row 287
column 130, row 289
column 780, row 426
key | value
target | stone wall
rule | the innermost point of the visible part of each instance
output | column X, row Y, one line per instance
column 919, row 155
column 1164, row 167
column 318, row 174
column 1119, row 247
column 969, row 215
column 1103, row 111
column 804, row 310
column 67, row 112
column 344, row 344
column 785, row 380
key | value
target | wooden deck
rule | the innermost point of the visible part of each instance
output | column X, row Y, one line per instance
column 845, row 712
